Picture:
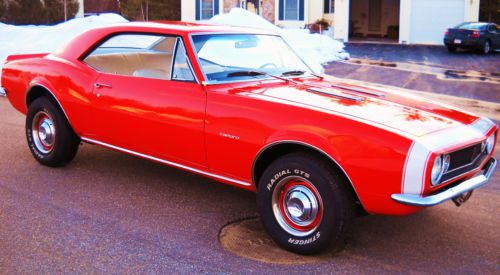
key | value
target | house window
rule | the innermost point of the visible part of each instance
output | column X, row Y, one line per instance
column 292, row 10
column 206, row 9
column 329, row 6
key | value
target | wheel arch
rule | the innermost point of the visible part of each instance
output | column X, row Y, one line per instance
column 277, row 149
column 38, row 90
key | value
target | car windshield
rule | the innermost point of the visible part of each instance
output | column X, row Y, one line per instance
column 233, row 57
column 471, row 26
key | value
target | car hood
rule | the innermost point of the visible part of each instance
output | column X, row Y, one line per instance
column 382, row 107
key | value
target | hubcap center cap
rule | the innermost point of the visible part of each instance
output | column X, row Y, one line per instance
column 45, row 132
column 301, row 205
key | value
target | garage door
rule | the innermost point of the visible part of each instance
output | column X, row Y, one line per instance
column 429, row 19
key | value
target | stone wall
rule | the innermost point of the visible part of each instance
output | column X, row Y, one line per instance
column 229, row 4
column 268, row 9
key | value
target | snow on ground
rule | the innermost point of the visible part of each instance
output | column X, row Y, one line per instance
column 314, row 49
column 42, row 39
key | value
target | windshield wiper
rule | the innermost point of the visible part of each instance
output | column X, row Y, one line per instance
column 256, row 73
column 293, row 73
column 245, row 73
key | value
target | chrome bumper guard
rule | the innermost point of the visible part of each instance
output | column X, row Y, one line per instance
column 468, row 185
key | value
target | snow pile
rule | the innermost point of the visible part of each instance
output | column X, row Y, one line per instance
column 42, row 39
column 314, row 49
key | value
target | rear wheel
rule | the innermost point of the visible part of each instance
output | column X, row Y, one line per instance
column 451, row 48
column 304, row 204
column 50, row 137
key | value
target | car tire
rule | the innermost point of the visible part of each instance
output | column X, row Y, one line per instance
column 486, row 48
column 305, row 204
column 50, row 137
column 451, row 49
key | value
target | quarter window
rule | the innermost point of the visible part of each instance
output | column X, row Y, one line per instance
column 181, row 70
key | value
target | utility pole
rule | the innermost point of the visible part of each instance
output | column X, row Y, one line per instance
column 65, row 10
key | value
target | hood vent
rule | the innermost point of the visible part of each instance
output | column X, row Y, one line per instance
column 336, row 94
column 359, row 90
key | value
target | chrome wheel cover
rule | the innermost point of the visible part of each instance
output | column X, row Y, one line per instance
column 297, row 206
column 43, row 132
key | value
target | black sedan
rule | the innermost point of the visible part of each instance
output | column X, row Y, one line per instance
column 484, row 37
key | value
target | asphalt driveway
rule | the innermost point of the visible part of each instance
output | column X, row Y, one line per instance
column 425, row 68
column 107, row 212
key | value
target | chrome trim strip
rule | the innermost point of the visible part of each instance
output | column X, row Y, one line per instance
column 32, row 85
column 336, row 94
column 306, row 145
column 166, row 162
column 362, row 91
column 468, row 185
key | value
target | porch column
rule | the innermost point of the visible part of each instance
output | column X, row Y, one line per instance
column 404, row 21
column 341, row 20
column 471, row 10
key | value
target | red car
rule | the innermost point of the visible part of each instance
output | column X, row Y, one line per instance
column 240, row 107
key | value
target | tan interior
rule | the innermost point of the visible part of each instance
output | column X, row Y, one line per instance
column 150, row 65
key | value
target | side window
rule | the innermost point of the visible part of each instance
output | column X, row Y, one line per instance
column 181, row 69
column 138, row 55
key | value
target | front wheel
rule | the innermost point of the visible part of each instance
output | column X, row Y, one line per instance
column 50, row 137
column 304, row 204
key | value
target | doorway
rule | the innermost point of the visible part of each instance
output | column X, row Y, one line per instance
column 374, row 21
column 252, row 6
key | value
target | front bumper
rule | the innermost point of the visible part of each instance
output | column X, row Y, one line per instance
column 468, row 185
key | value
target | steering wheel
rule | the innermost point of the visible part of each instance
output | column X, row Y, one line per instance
column 270, row 65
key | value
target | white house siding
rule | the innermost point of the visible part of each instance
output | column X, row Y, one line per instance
column 431, row 18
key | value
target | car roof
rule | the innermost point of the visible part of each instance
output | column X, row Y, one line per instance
column 187, row 28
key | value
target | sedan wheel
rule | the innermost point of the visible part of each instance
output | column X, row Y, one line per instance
column 486, row 47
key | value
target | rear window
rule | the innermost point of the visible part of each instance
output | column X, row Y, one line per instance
column 471, row 26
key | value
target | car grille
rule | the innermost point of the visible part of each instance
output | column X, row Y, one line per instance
column 464, row 160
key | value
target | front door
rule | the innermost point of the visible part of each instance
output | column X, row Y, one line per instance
column 147, row 100
column 374, row 16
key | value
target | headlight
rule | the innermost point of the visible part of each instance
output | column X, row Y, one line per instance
column 440, row 166
column 490, row 142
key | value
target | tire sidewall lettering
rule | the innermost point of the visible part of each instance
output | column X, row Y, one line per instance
column 305, row 241
column 286, row 172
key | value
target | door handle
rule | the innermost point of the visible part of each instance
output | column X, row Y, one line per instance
column 100, row 85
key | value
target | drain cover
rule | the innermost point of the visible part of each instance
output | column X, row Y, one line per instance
column 247, row 239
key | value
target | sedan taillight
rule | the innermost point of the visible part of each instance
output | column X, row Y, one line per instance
column 475, row 34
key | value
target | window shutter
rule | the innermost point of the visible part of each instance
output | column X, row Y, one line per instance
column 282, row 10
column 301, row 10
column 326, row 7
column 216, row 7
column 197, row 9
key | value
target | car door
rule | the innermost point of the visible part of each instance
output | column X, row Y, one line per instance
column 495, row 36
column 147, row 100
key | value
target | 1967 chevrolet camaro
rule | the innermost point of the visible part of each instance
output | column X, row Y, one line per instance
column 240, row 107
